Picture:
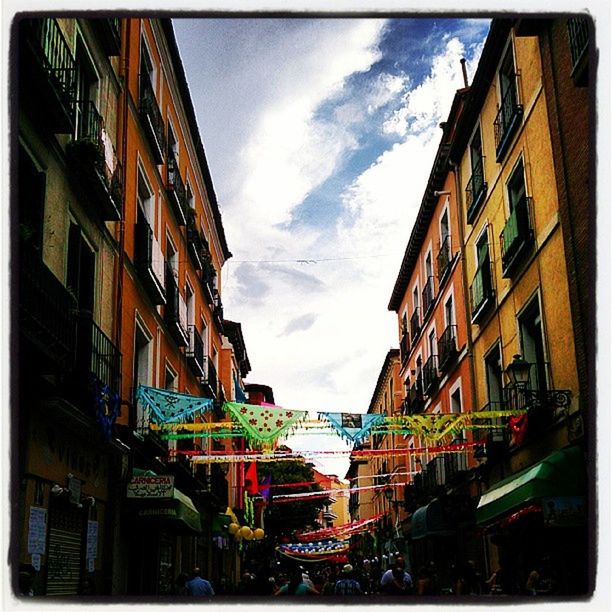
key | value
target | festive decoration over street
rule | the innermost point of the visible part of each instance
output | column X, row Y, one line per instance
column 335, row 492
column 169, row 406
column 353, row 427
column 314, row 550
column 341, row 531
column 263, row 424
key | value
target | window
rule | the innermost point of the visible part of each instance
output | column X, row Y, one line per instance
column 147, row 71
column 173, row 146
column 493, row 372
column 516, row 187
column 145, row 200
column 476, row 187
column 510, row 111
column 80, row 270
column 481, row 290
column 190, row 301
column 532, row 344
column 172, row 256
column 578, row 34
column 88, row 121
column 433, row 348
column 449, row 311
column 141, row 374
column 31, row 190
column 455, row 401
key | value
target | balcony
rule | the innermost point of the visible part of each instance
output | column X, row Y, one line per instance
column 455, row 465
column 46, row 313
column 482, row 295
column 430, row 374
column 97, row 171
column 209, row 275
column 415, row 326
column 47, row 72
column 428, row 296
column 415, row 397
column 152, row 119
column 97, row 355
column 447, row 348
column 445, row 259
column 516, row 237
column 175, row 312
column 404, row 347
column 195, row 352
column 109, row 34
column 507, row 121
column 218, row 311
column 578, row 32
column 175, row 188
column 476, row 191
column 149, row 261
column 197, row 246
column 435, row 474
column 210, row 382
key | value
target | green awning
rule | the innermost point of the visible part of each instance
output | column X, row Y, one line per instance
column 430, row 520
column 562, row 473
column 178, row 514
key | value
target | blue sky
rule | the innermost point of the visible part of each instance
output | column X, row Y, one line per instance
column 320, row 134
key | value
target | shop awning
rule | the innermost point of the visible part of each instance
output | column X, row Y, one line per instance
column 178, row 513
column 429, row 520
column 560, row 474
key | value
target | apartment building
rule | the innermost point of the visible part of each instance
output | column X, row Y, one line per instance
column 520, row 309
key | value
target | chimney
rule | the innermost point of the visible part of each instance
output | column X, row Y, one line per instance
column 464, row 70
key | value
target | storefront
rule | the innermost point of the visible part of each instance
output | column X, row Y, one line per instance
column 537, row 518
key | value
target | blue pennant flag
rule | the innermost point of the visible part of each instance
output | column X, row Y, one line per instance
column 353, row 426
column 169, row 406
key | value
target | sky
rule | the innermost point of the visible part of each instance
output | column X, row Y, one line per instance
column 320, row 135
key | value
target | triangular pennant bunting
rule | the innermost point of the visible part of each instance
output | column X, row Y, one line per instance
column 353, row 427
column 171, row 407
column 263, row 423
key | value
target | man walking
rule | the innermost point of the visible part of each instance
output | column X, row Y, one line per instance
column 199, row 587
column 347, row 585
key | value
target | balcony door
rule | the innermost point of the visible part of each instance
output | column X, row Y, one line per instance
column 141, row 373
column 516, row 187
column 507, row 83
column 493, row 371
column 476, row 162
column 86, row 94
column 532, row 344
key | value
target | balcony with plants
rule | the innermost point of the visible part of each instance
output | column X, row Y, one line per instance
column 175, row 312
column 175, row 188
column 507, row 120
column 482, row 295
column 94, row 163
column 149, row 261
column 516, row 237
column 152, row 119
column 49, row 71
column 475, row 191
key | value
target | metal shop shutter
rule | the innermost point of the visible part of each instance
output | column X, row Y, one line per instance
column 65, row 551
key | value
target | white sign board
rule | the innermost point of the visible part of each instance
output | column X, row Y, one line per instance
column 148, row 487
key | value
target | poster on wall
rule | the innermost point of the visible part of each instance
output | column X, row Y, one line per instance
column 92, row 540
column 37, row 530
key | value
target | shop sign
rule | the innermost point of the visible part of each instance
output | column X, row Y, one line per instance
column 567, row 511
column 151, row 487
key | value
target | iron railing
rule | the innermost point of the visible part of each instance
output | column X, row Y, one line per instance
column 444, row 258
column 415, row 326
column 516, row 235
column 428, row 296
column 507, row 119
column 152, row 118
column 430, row 373
column 415, row 395
column 176, row 189
column 447, row 346
column 475, row 190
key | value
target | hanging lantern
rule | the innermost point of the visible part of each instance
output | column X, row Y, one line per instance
column 233, row 528
column 258, row 534
column 245, row 532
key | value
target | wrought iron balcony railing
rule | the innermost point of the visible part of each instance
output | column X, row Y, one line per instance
column 444, row 258
column 447, row 347
column 475, row 190
column 97, row 354
column 176, row 190
column 196, row 243
column 435, row 473
column 149, row 261
column 507, row 120
column 430, row 374
column 88, row 152
column 415, row 326
column 482, row 295
column 516, row 236
column 404, row 347
column 175, row 312
column 152, row 119
column 578, row 31
column 415, row 396
column 428, row 296
column 46, row 311
column 48, row 72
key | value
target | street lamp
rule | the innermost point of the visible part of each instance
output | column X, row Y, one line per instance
column 388, row 491
column 518, row 371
